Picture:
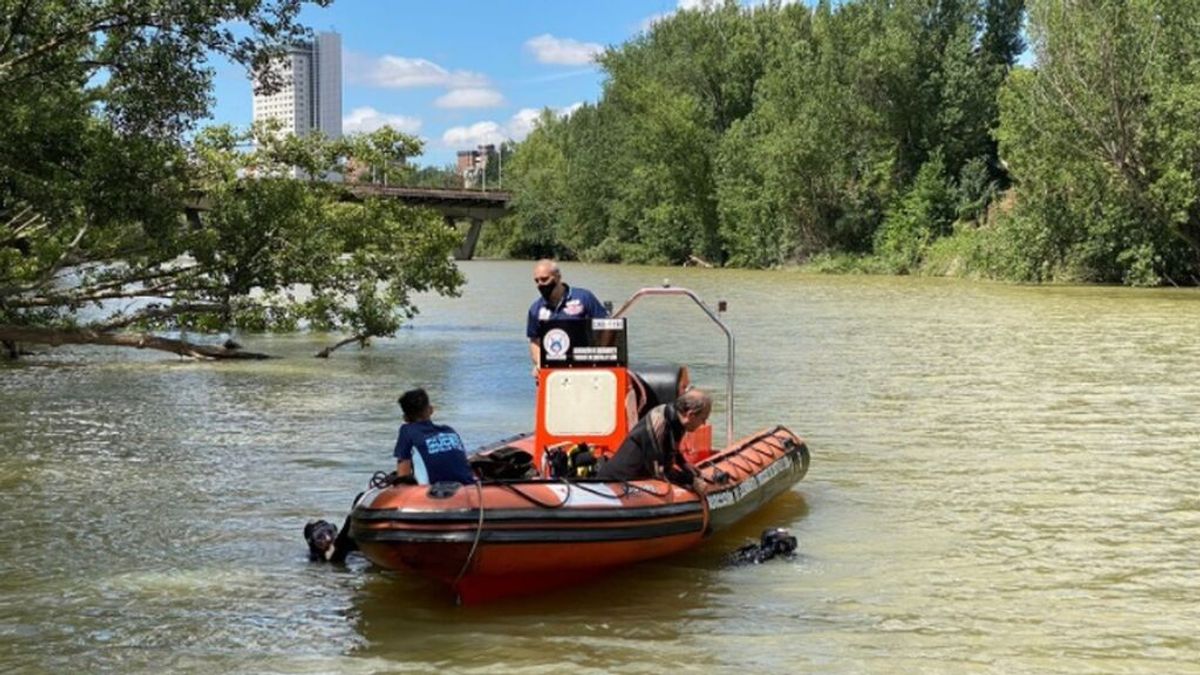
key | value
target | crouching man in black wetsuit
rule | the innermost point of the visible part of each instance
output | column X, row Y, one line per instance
column 651, row 450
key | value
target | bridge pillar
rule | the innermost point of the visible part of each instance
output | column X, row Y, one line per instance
column 467, row 250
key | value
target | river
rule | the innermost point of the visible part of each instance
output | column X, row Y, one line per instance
column 1004, row 479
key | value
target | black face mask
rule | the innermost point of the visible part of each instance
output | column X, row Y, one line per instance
column 547, row 290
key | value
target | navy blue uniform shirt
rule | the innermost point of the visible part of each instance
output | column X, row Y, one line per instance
column 440, row 455
column 577, row 303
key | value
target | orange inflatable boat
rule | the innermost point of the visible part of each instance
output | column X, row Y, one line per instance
column 537, row 520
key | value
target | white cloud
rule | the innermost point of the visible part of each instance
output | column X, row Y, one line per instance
column 563, row 51
column 480, row 133
column 398, row 72
column 683, row 5
column 704, row 5
column 516, row 129
column 366, row 119
column 470, row 98
column 523, row 122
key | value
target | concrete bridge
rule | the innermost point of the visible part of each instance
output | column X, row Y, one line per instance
column 474, row 206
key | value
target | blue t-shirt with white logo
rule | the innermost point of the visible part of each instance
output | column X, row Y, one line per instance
column 440, row 455
column 577, row 303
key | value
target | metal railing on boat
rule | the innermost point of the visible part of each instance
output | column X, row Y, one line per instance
column 667, row 289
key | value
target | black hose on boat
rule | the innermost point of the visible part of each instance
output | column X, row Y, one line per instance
column 478, row 535
column 537, row 502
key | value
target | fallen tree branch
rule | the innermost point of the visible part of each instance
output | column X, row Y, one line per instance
column 324, row 353
column 56, row 337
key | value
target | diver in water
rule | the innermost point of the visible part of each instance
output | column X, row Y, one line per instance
column 326, row 543
column 775, row 542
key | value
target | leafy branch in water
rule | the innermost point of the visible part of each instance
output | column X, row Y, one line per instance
column 269, row 252
column 96, row 175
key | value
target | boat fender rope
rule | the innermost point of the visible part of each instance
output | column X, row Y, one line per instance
column 739, row 466
column 478, row 535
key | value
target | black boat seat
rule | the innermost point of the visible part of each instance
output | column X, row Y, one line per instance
column 656, row 384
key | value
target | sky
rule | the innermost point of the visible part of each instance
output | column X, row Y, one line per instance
column 459, row 73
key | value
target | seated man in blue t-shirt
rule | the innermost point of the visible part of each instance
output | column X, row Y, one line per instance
column 439, row 454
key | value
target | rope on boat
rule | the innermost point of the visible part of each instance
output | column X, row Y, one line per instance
column 478, row 535
column 626, row 485
column 535, row 501
column 585, row 488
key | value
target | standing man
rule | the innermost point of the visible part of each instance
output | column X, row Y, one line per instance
column 556, row 300
column 651, row 450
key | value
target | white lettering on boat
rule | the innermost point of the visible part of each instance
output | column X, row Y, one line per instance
column 720, row 500
column 595, row 353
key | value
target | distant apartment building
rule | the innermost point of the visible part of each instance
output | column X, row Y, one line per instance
column 311, row 96
column 472, row 164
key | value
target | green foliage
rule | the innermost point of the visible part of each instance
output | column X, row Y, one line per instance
column 269, row 252
column 845, row 263
column 382, row 152
column 959, row 254
column 923, row 215
column 1101, row 142
column 445, row 177
column 975, row 190
column 786, row 133
column 277, row 249
column 770, row 135
column 95, row 177
column 538, row 179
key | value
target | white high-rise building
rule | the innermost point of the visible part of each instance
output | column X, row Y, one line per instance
column 311, row 95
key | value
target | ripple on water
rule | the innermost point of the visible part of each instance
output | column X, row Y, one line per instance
column 1003, row 480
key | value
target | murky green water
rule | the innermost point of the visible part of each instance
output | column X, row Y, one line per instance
column 1004, row 480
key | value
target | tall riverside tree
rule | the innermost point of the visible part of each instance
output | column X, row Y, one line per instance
column 1101, row 144
column 98, row 92
column 538, row 177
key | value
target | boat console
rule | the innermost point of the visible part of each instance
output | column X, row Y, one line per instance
column 589, row 398
column 583, row 390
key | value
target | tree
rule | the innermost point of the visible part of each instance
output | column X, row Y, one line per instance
column 443, row 177
column 764, row 135
column 92, row 86
column 538, row 178
column 95, row 175
column 1100, row 141
column 268, row 252
column 916, row 221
